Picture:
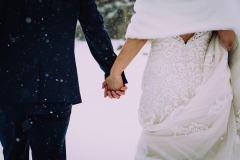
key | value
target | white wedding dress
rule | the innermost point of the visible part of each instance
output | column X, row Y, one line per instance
column 186, row 105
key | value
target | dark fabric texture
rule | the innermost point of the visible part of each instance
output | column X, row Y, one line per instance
column 37, row 62
column 42, row 126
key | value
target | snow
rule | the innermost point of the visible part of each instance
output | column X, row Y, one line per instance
column 103, row 128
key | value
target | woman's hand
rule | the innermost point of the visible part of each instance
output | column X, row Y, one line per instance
column 113, row 87
column 228, row 38
column 113, row 83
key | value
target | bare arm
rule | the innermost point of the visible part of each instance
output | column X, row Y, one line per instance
column 228, row 38
column 130, row 49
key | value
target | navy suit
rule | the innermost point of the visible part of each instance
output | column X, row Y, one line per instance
column 37, row 63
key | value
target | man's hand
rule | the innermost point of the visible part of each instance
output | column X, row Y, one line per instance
column 113, row 93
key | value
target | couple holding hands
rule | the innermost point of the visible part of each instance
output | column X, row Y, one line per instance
column 189, row 108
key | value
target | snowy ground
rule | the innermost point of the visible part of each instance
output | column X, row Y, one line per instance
column 104, row 129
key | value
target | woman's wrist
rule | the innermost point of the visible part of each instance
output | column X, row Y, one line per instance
column 116, row 73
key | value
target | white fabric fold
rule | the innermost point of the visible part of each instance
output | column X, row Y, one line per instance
column 218, row 141
column 164, row 18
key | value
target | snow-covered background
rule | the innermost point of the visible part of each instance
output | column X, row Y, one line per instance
column 116, row 15
column 102, row 128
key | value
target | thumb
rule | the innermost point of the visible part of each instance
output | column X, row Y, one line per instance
column 124, row 88
column 104, row 84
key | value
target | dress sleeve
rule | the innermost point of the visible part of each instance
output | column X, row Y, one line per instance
column 97, row 37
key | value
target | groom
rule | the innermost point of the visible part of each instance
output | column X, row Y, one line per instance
column 38, row 76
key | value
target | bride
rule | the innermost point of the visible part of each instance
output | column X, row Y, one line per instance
column 189, row 108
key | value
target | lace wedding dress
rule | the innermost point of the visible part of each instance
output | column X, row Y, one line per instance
column 186, row 105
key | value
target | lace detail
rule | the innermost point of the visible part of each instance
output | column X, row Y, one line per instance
column 238, row 120
column 216, row 108
column 193, row 128
column 142, row 152
column 209, row 60
column 172, row 74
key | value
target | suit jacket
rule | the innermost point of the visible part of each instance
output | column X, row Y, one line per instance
column 37, row 62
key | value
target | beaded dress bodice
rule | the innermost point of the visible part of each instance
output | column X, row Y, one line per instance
column 172, row 76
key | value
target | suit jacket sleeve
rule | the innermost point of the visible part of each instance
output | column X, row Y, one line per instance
column 2, row 4
column 3, row 16
column 97, row 37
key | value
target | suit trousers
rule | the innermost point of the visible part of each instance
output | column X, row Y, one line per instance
column 39, row 126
